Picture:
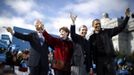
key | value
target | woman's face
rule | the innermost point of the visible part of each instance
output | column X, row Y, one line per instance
column 63, row 34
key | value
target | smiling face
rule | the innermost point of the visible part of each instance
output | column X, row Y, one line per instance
column 39, row 27
column 83, row 31
column 64, row 32
column 96, row 25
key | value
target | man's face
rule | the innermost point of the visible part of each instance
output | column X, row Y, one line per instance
column 63, row 34
column 97, row 25
column 39, row 27
column 83, row 31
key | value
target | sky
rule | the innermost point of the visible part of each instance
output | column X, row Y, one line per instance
column 55, row 13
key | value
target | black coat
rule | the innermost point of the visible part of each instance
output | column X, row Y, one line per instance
column 104, row 47
column 83, row 42
column 38, row 53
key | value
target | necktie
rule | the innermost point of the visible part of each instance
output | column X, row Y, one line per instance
column 41, row 38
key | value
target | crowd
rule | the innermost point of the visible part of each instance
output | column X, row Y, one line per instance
column 12, row 59
column 76, row 56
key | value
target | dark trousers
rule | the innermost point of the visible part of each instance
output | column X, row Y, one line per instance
column 59, row 72
column 38, row 70
column 105, row 66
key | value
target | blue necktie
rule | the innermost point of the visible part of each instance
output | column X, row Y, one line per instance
column 41, row 40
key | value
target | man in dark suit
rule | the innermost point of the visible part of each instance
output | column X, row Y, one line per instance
column 102, row 46
column 38, row 60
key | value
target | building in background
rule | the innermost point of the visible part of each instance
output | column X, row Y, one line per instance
column 5, row 42
column 123, row 42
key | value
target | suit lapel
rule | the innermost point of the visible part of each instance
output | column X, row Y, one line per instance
column 37, row 38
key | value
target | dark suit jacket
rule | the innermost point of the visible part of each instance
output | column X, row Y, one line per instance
column 38, row 53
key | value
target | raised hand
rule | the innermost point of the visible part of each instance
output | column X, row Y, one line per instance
column 38, row 22
column 73, row 18
column 127, row 12
column 9, row 29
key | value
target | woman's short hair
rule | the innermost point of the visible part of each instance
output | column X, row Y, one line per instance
column 65, row 29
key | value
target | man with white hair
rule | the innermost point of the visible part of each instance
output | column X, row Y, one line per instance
column 38, row 60
column 81, row 59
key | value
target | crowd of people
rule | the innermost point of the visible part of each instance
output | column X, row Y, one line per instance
column 124, row 66
column 74, row 56
column 12, row 59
